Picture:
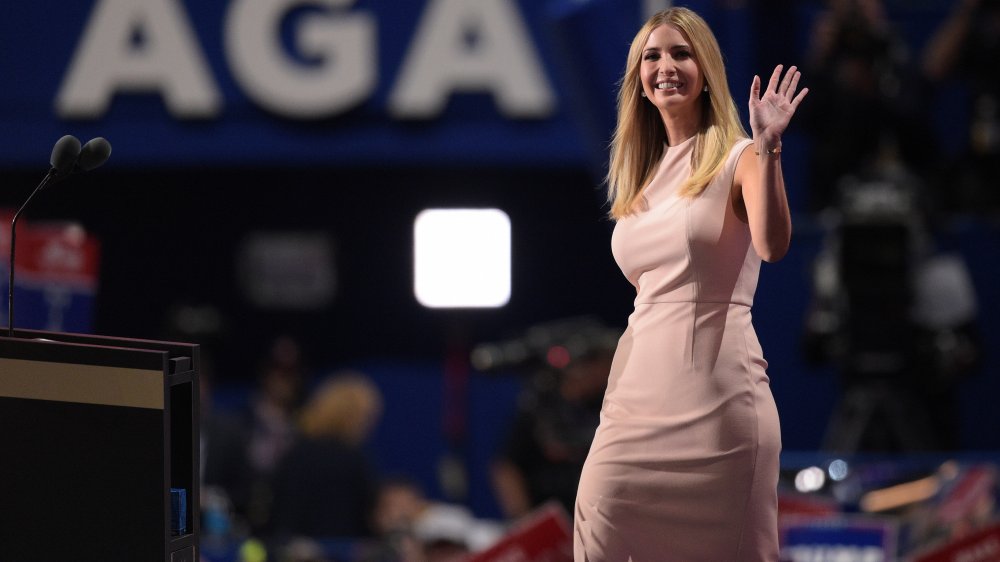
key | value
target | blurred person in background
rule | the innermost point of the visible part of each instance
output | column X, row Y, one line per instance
column 967, row 47
column 894, row 312
column 869, row 104
column 684, row 465
column 326, row 485
column 271, row 419
column 414, row 528
column 551, row 434
column 225, row 480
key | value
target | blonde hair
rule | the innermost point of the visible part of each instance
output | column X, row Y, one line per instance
column 345, row 407
column 639, row 136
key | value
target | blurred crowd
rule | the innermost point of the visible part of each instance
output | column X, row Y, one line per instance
column 292, row 466
column 881, row 111
column 900, row 141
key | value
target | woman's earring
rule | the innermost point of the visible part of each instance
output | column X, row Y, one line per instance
column 705, row 89
column 643, row 94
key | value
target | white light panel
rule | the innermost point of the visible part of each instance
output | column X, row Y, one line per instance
column 461, row 258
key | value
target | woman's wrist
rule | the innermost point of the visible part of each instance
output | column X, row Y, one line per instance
column 768, row 146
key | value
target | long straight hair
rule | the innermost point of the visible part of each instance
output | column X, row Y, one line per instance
column 639, row 136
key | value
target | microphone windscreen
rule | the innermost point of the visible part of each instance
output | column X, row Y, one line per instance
column 94, row 153
column 65, row 153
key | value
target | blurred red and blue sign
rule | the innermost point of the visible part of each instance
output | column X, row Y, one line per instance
column 56, row 268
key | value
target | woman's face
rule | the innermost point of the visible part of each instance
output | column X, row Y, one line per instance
column 671, row 77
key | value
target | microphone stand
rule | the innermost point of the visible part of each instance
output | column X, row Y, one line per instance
column 13, row 233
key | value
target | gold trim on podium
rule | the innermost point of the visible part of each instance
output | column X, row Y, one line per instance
column 84, row 384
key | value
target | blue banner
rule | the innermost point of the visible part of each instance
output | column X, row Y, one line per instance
column 318, row 82
column 844, row 538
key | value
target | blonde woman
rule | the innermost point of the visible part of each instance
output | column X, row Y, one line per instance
column 684, row 465
column 326, row 485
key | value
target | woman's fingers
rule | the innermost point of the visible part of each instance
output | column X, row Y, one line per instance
column 792, row 84
column 786, row 83
column 785, row 86
column 772, row 85
column 798, row 99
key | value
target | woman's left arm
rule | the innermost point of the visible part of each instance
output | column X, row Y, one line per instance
column 758, row 174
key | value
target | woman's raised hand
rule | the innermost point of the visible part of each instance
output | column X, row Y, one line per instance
column 771, row 112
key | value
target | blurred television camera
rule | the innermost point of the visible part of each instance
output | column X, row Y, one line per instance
column 895, row 315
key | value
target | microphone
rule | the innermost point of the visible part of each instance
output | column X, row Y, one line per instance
column 64, row 155
column 93, row 154
column 67, row 157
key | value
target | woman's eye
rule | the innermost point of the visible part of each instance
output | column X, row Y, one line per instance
column 651, row 56
column 682, row 55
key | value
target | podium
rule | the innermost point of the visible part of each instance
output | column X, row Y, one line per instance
column 95, row 432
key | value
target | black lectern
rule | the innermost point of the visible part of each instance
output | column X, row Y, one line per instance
column 95, row 432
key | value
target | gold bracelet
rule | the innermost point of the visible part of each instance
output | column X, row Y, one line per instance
column 775, row 150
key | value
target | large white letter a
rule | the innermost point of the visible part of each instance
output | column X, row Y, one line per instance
column 165, row 58
column 498, row 59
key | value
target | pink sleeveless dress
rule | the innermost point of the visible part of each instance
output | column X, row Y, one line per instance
column 684, row 465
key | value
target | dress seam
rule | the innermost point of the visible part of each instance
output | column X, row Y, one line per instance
column 697, row 279
column 756, row 445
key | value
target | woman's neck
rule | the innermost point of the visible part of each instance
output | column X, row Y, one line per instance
column 680, row 125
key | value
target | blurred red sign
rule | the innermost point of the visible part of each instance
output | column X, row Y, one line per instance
column 54, row 253
column 543, row 536
column 980, row 546
column 973, row 486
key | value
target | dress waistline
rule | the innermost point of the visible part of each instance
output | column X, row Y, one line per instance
column 687, row 301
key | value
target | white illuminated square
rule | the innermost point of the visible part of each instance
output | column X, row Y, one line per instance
column 461, row 258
